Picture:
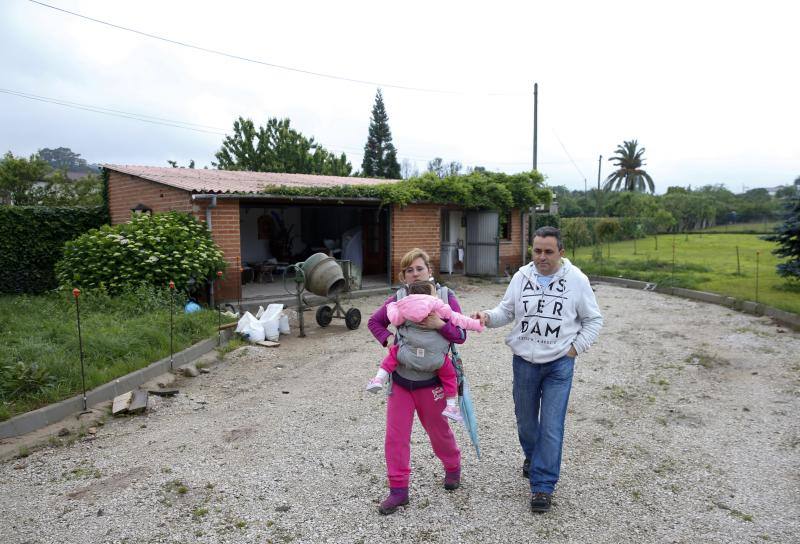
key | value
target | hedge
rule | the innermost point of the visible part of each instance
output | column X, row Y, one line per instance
column 32, row 241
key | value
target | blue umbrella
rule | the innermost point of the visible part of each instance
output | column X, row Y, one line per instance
column 465, row 400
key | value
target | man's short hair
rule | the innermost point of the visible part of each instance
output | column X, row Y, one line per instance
column 544, row 232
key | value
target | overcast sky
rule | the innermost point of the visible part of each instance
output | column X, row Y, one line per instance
column 709, row 88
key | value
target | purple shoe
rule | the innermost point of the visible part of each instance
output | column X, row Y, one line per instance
column 452, row 480
column 398, row 496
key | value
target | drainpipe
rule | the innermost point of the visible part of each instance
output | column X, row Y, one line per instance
column 211, row 206
column 390, row 234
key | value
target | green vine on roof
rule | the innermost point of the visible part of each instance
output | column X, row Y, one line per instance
column 477, row 190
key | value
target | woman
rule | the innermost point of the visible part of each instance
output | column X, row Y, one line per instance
column 414, row 391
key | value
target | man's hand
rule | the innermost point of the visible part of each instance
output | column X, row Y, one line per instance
column 482, row 316
column 572, row 353
column 433, row 321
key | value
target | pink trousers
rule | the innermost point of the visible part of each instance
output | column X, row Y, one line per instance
column 446, row 373
column 428, row 403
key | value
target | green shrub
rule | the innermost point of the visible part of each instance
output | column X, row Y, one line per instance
column 151, row 249
column 546, row 220
column 32, row 241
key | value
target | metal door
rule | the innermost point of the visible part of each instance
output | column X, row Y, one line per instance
column 448, row 248
column 483, row 244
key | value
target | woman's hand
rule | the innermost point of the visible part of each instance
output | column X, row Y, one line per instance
column 433, row 321
column 390, row 341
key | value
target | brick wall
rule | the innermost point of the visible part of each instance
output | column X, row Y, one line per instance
column 125, row 192
column 416, row 225
column 225, row 232
column 511, row 250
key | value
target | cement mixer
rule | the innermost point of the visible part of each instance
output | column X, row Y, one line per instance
column 322, row 275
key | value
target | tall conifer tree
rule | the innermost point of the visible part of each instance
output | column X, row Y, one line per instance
column 380, row 156
column 787, row 236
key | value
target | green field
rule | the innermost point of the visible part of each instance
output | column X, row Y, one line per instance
column 705, row 262
column 40, row 359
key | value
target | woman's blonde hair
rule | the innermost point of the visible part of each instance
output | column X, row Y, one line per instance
column 409, row 258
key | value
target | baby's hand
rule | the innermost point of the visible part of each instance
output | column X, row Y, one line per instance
column 482, row 316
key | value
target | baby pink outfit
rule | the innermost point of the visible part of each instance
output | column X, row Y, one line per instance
column 415, row 308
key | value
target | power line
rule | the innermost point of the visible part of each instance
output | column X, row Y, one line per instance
column 269, row 64
column 196, row 127
column 113, row 113
column 568, row 155
column 99, row 109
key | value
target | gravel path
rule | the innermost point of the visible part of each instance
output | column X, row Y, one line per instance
column 683, row 427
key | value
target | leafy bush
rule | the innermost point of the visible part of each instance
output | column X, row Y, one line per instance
column 607, row 228
column 32, row 241
column 151, row 249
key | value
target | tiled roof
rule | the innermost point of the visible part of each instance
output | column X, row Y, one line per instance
column 228, row 181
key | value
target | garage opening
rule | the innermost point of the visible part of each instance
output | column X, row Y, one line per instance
column 274, row 236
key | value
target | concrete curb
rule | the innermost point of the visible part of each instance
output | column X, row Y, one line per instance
column 53, row 413
column 785, row 318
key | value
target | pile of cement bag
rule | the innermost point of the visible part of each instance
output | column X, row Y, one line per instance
column 267, row 324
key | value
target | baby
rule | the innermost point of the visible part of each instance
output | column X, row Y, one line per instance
column 420, row 302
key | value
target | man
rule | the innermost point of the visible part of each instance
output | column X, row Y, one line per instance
column 555, row 318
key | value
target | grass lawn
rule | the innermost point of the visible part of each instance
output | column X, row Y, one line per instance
column 706, row 262
column 40, row 360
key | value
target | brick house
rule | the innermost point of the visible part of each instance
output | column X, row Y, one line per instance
column 253, row 227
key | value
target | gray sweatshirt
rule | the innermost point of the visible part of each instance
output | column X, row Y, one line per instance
column 548, row 321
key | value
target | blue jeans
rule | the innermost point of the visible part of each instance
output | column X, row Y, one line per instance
column 541, row 394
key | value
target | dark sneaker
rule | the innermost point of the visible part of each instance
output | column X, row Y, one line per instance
column 452, row 480
column 526, row 469
column 398, row 496
column 540, row 502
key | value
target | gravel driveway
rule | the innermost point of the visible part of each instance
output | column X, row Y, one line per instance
column 683, row 427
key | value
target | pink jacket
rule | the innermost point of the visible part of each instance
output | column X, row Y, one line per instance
column 415, row 308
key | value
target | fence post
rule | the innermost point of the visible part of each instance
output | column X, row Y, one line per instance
column 757, row 255
column 219, row 311
column 738, row 264
column 77, row 293
column 672, row 275
column 171, row 312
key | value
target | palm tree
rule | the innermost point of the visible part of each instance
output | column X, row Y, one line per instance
column 629, row 176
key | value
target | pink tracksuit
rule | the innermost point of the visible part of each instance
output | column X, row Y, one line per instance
column 427, row 402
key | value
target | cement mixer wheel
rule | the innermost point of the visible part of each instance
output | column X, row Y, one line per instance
column 325, row 316
column 352, row 318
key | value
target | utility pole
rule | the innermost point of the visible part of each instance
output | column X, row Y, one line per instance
column 599, row 166
column 535, row 121
column 585, row 193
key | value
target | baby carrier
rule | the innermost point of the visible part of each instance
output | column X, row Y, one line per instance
column 419, row 349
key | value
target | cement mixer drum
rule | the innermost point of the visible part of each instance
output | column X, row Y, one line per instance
column 323, row 275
